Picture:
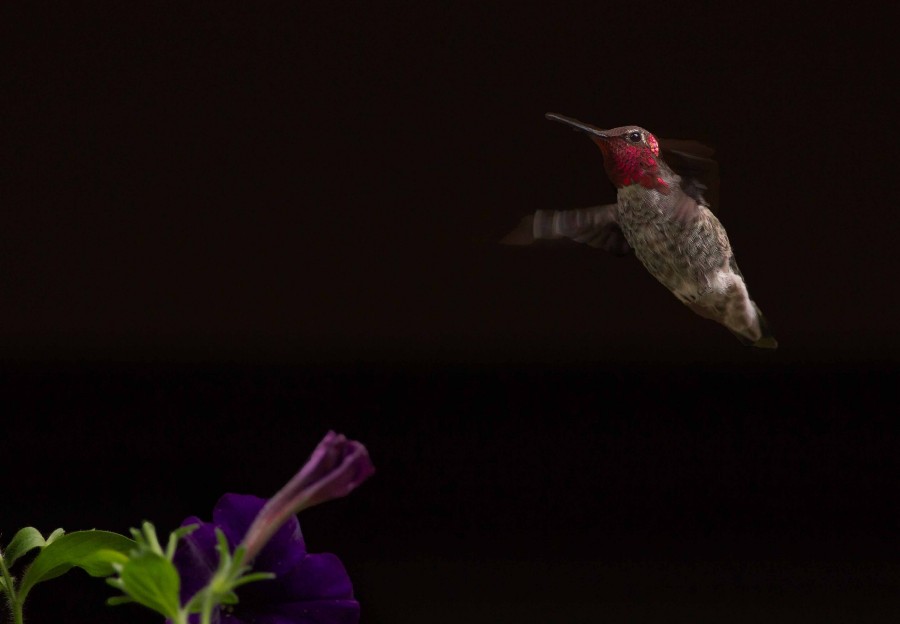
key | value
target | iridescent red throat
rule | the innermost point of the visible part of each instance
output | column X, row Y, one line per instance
column 628, row 164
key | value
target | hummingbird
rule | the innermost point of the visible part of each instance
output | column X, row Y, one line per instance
column 662, row 214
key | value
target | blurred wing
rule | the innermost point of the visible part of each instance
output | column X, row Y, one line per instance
column 686, row 210
column 694, row 163
column 595, row 226
column 689, row 147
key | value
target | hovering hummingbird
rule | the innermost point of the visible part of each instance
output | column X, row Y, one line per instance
column 663, row 216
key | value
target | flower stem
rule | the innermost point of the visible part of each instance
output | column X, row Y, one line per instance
column 206, row 613
column 15, row 604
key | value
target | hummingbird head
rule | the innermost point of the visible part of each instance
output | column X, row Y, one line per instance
column 630, row 153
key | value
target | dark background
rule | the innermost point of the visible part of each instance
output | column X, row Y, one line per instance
column 226, row 230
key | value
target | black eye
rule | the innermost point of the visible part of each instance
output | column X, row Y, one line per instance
column 634, row 136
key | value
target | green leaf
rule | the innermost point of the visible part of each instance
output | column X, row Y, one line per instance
column 110, row 556
column 55, row 535
column 253, row 577
column 151, row 580
column 81, row 549
column 23, row 541
column 175, row 536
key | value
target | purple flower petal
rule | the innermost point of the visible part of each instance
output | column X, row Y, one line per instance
column 196, row 557
column 308, row 589
column 319, row 576
column 320, row 612
column 316, row 577
column 317, row 612
column 234, row 513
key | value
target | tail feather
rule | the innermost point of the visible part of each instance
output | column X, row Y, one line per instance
column 766, row 339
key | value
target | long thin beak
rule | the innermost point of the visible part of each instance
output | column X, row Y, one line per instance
column 578, row 125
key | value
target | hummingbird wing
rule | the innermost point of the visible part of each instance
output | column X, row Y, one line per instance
column 595, row 226
column 693, row 161
column 689, row 147
column 687, row 209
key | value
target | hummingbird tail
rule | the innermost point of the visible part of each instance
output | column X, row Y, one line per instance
column 766, row 339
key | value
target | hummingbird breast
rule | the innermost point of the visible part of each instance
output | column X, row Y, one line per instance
column 680, row 243
column 683, row 245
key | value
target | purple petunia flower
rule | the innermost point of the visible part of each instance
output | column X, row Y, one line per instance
column 307, row 588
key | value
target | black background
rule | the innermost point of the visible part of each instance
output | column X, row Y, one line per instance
column 228, row 229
